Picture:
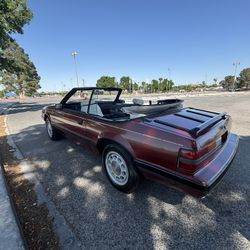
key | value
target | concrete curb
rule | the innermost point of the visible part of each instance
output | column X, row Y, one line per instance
column 11, row 233
column 67, row 238
column 13, row 208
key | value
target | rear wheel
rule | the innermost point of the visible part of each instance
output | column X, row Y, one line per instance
column 52, row 132
column 119, row 168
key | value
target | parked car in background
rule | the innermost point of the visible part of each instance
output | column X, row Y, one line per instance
column 186, row 148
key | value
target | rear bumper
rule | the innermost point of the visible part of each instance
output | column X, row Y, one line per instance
column 209, row 175
column 203, row 180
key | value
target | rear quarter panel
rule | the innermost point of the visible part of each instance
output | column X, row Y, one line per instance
column 144, row 143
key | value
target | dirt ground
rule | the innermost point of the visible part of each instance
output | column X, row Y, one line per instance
column 35, row 222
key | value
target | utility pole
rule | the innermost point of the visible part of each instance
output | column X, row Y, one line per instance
column 83, row 82
column 74, row 55
column 235, row 64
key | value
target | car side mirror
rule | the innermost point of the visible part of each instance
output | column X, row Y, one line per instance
column 59, row 106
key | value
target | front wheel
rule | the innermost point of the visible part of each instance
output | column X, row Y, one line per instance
column 119, row 169
column 52, row 132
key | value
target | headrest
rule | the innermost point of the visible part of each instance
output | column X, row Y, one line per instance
column 138, row 101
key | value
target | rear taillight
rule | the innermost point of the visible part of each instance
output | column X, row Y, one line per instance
column 194, row 155
column 190, row 160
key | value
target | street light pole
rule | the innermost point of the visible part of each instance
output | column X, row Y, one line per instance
column 74, row 55
column 235, row 64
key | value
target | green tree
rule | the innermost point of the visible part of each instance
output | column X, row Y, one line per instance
column 160, row 84
column 136, row 86
column 2, row 92
column 228, row 82
column 22, row 77
column 106, row 82
column 149, row 88
column 166, row 85
column 125, row 83
column 14, row 14
column 144, row 86
column 155, row 85
column 203, row 84
column 244, row 78
column 189, row 87
column 170, row 85
column 222, row 83
column 215, row 82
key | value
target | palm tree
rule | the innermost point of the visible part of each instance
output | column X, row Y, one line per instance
column 159, row 83
column 215, row 80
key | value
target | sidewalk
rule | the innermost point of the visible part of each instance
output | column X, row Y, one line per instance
column 10, row 237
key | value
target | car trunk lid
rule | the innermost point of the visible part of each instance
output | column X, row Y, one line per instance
column 194, row 122
column 208, row 130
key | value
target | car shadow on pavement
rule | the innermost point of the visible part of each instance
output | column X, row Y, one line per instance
column 153, row 217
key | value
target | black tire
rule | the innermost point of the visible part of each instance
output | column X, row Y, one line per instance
column 51, row 131
column 132, row 175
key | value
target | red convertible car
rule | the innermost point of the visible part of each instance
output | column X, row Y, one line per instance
column 186, row 148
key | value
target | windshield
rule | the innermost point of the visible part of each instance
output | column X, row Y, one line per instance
column 101, row 95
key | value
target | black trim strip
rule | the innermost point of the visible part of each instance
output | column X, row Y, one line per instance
column 207, row 111
column 198, row 113
column 188, row 117
column 171, row 125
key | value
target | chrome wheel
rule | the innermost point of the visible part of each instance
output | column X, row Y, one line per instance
column 116, row 168
column 49, row 129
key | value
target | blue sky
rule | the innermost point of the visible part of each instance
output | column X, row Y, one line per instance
column 196, row 39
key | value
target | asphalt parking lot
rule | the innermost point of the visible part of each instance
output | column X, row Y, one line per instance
column 155, row 217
